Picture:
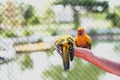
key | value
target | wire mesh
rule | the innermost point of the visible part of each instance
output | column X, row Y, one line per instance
column 28, row 31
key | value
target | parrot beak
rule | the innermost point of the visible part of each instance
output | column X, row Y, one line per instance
column 80, row 33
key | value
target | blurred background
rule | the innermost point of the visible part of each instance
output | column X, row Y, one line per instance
column 28, row 29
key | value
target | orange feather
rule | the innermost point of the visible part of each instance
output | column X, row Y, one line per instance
column 82, row 39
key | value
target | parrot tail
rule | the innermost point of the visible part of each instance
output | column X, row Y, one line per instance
column 65, row 57
column 66, row 62
column 66, row 66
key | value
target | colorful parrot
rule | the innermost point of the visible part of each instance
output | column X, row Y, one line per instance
column 82, row 39
column 65, row 47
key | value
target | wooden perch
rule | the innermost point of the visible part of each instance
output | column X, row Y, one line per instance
column 31, row 47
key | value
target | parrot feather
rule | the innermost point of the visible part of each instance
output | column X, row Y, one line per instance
column 65, row 47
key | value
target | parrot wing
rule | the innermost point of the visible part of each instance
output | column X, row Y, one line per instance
column 89, row 41
column 71, row 51
column 89, row 45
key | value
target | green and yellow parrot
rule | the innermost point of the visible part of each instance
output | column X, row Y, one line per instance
column 65, row 47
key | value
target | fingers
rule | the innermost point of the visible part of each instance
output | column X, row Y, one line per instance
column 82, row 52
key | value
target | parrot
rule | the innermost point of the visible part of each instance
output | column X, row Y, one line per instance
column 64, row 45
column 82, row 39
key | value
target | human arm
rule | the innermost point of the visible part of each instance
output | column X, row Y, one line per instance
column 106, row 65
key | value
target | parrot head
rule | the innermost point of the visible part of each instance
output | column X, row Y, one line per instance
column 80, row 31
column 65, row 47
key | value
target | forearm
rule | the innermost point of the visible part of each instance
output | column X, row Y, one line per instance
column 106, row 65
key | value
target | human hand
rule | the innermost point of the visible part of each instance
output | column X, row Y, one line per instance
column 83, row 53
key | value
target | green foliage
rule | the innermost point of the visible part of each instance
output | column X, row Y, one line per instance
column 27, row 62
column 29, row 12
column 29, row 15
column 15, row 15
column 117, row 10
column 74, row 2
column 99, row 16
column 1, row 18
column 88, row 4
column 48, row 17
column 76, row 18
column 27, row 32
column 115, row 19
column 7, row 33
column 35, row 21
column 21, row 43
column 52, row 31
column 50, row 51
column 39, row 40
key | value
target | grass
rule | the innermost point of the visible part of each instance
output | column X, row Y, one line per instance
column 78, row 71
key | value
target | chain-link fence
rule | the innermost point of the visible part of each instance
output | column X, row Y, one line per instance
column 28, row 31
